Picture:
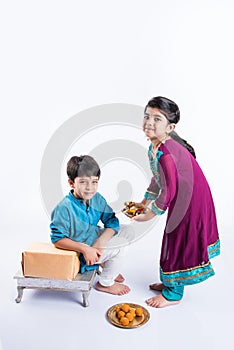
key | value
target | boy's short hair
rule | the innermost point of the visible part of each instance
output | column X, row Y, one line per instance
column 82, row 166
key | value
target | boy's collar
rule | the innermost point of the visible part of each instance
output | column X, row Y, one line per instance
column 80, row 200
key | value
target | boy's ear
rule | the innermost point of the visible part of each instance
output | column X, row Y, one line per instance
column 71, row 183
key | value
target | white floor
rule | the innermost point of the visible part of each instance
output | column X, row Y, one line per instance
column 57, row 320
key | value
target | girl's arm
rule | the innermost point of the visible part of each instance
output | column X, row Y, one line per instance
column 145, row 202
column 152, row 191
column 168, row 183
column 168, row 180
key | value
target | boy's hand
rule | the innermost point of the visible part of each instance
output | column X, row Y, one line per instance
column 148, row 215
column 97, row 246
column 92, row 255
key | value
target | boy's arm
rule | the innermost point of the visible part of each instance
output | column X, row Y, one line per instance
column 102, row 241
column 91, row 254
column 108, row 218
column 60, row 229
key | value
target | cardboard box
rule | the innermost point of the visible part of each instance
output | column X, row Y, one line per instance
column 43, row 260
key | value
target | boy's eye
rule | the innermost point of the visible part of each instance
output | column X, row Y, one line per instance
column 146, row 116
column 83, row 181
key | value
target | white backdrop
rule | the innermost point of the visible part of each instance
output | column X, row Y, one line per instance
column 61, row 57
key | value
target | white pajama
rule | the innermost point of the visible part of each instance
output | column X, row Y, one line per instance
column 112, row 256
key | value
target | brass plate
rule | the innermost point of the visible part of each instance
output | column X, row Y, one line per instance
column 137, row 322
column 130, row 209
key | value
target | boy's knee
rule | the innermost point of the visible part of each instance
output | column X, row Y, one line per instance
column 128, row 232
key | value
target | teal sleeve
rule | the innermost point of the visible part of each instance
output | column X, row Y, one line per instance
column 60, row 224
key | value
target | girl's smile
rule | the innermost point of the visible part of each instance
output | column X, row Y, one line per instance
column 150, row 129
column 156, row 125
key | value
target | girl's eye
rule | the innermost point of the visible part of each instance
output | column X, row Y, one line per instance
column 157, row 119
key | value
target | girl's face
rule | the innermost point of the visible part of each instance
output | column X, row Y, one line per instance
column 84, row 187
column 156, row 125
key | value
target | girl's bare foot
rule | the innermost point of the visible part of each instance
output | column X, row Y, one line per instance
column 159, row 302
column 157, row 286
column 120, row 278
column 116, row 288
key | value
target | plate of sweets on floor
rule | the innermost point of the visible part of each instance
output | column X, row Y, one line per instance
column 127, row 315
column 132, row 209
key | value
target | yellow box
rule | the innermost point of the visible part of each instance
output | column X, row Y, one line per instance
column 43, row 260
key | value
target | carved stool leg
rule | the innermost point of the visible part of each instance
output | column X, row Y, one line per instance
column 85, row 296
column 20, row 294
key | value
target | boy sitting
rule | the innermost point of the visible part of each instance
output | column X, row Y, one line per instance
column 74, row 224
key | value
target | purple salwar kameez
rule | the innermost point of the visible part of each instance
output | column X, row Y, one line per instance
column 191, row 235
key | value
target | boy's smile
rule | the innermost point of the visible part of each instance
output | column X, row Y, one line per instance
column 84, row 187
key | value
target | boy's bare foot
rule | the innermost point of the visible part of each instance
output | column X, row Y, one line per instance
column 120, row 278
column 157, row 286
column 116, row 288
column 159, row 302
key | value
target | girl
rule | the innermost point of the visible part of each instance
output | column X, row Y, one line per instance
column 179, row 186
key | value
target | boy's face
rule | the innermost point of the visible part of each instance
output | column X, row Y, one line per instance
column 84, row 187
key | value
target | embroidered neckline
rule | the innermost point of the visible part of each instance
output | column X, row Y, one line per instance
column 154, row 161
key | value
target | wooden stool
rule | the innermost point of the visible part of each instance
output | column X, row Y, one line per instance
column 82, row 283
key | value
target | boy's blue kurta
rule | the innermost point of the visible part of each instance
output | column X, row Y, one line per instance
column 72, row 219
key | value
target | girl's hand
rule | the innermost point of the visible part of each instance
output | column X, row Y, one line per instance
column 139, row 204
column 144, row 217
column 145, row 202
column 92, row 255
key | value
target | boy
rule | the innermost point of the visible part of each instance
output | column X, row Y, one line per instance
column 75, row 219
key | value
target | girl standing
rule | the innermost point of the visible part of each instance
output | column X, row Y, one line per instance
column 179, row 186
